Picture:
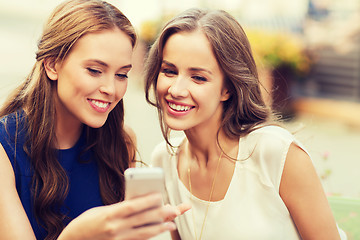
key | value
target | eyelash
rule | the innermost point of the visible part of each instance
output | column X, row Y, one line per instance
column 199, row 78
column 167, row 71
column 95, row 72
column 170, row 73
column 122, row 76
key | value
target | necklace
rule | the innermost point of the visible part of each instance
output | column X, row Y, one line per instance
column 208, row 202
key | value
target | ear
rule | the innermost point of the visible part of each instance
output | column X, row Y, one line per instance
column 225, row 95
column 50, row 68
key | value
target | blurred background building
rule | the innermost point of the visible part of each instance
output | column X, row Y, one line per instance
column 308, row 54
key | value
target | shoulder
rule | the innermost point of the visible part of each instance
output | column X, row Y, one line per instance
column 11, row 125
column 266, row 149
column 13, row 118
column 162, row 151
column 272, row 132
column 7, row 121
column 268, row 139
column 131, row 144
column 130, row 132
column 275, row 138
column 13, row 134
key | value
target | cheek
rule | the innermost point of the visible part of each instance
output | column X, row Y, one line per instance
column 67, row 89
column 162, row 86
column 121, row 87
column 74, row 82
column 205, row 96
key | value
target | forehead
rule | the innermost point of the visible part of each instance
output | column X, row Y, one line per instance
column 108, row 44
column 192, row 48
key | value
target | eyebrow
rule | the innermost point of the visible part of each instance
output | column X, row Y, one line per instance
column 168, row 63
column 129, row 66
column 193, row 69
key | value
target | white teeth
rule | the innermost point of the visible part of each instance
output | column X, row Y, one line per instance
column 179, row 107
column 100, row 104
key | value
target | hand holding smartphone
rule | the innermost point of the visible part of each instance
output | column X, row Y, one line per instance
column 142, row 181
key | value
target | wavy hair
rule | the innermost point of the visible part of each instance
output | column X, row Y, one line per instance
column 245, row 109
column 111, row 145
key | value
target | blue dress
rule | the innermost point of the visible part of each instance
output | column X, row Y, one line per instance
column 84, row 192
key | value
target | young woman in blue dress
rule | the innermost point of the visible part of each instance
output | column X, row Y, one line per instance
column 63, row 143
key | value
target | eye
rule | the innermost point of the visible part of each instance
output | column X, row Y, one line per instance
column 93, row 71
column 168, row 72
column 121, row 76
column 199, row 78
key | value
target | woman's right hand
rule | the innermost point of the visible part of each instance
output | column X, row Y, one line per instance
column 130, row 219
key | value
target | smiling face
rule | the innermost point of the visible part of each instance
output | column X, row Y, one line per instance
column 190, row 82
column 93, row 77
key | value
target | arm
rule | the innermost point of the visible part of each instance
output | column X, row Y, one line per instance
column 302, row 193
column 122, row 220
column 14, row 223
column 117, row 221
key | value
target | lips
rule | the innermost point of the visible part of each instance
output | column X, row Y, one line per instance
column 99, row 106
column 178, row 109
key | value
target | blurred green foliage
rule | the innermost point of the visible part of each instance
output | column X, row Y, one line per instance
column 347, row 215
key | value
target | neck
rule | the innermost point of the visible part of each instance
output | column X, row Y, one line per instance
column 67, row 136
column 68, row 129
column 204, row 140
column 203, row 147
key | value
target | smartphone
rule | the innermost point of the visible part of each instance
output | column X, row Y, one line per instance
column 145, row 180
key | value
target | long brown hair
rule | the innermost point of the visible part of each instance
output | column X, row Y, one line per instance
column 245, row 109
column 111, row 144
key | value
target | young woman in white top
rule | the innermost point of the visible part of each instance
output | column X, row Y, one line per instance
column 244, row 177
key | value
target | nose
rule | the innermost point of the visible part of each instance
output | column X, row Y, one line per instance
column 179, row 88
column 108, row 85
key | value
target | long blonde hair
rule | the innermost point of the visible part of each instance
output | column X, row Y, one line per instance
column 69, row 21
column 245, row 109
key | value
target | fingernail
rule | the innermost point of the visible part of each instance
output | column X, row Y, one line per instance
column 170, row 226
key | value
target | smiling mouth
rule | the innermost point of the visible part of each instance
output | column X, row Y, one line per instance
column 179, row 108
column 100, row 104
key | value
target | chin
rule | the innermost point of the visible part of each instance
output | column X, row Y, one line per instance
column 176, row 127
column 96, row 124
